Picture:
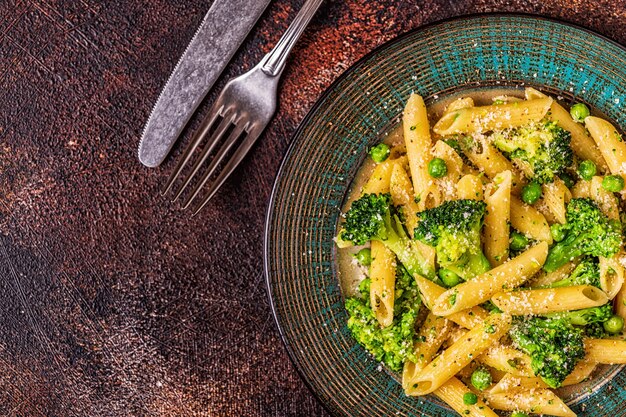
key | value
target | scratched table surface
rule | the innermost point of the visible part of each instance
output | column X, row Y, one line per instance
column 114, row 302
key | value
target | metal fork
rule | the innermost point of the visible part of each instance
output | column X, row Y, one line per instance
column 245, row 107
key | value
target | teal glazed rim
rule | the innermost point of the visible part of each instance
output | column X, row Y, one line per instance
column 438, row 60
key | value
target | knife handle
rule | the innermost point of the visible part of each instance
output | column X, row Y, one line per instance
column 274, row 62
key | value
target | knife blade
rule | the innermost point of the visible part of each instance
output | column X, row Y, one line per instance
column 223, row 30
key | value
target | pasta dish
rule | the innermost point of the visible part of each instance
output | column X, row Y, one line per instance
column 490, row 245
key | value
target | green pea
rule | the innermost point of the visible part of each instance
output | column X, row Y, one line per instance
column 579, row 111
column 531, row 192
column 519, row 414
column 469, row 398
column 587, row 169
column 364, row 256
column 481, row 379
column 380, row 152
column 449, row 278
column 558, row 232
column 613, row 183
column 568, row 180
column 614, row 325
column 437, row 168
column 518, row 241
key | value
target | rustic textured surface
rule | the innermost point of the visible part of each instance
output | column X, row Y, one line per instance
column 113, row 302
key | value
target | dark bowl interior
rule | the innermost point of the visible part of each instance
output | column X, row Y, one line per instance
column 504, row 51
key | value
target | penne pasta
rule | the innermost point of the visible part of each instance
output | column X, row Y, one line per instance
column 460, row 354
column 605, row 351
column 512, row 382
column 611, row 275
column 497, row 374
column 539, row 401
column 432, row 334
column 550, row 300
column 418, row 149
column 459, row 103
column 582, row 144
column 452, row 391
column 555, row 196
column 529, row 221
column 383, row 282
column 402, row 196
column 609, row 143
column 547, row 278
column 379, row 181
column 543, row 208
column 506, row 99
column 606, row 200
column 468, row 319
column 469, row 187
column 481, row 288
column 428, row 290
column 454, row 164
column 496, row 228
column 582, row 189
column 454, row 336
column 532, row 94
column 488, row 118
column 490, row 161
column 507, row 359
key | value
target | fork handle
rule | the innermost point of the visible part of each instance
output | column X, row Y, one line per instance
column 274, row 62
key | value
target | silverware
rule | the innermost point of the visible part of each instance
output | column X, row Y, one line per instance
column 223, row 30
column 241, row 113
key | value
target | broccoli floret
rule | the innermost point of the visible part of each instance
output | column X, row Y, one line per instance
column 586, row 273
column 544, row 146
column 453, row 228
column 392, row 345
column 554, row 345
column 585, row 316
column 589, row 232
column 373, row 217
column 407, row 296
column 595, row 331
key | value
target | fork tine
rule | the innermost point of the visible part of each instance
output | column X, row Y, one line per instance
column 210, row 145
column 219, row 157
column 234, row 162
column 197, row 138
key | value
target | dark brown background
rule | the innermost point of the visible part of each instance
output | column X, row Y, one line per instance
column 113, row 302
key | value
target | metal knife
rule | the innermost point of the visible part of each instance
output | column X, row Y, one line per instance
column 223, row 30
